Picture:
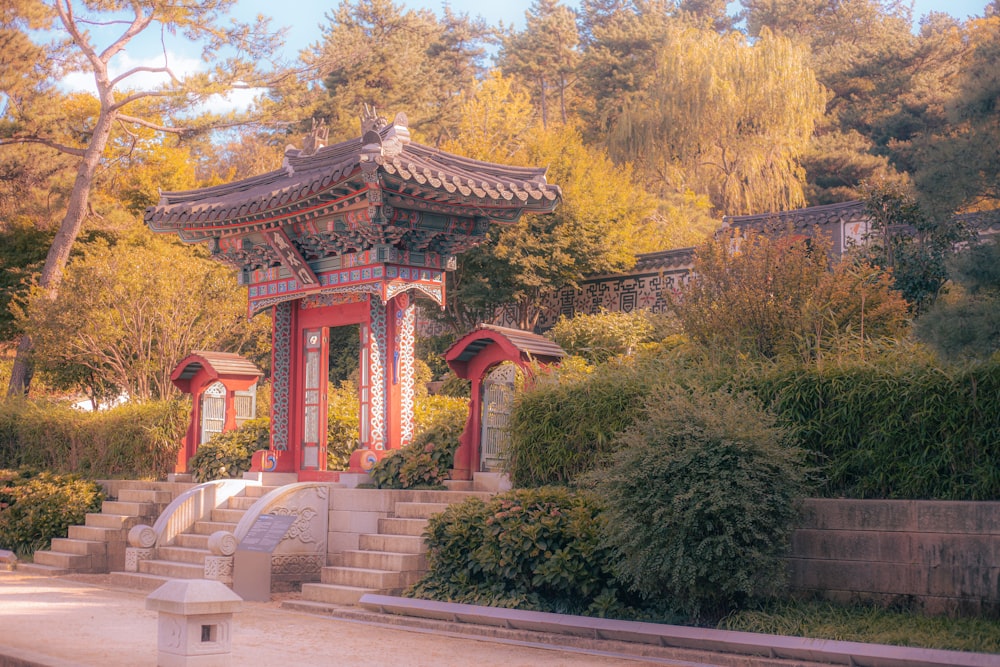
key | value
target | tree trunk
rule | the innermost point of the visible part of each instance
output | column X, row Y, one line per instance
column 58, row 256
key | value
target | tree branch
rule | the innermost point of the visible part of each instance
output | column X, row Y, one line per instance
column 140, row 23
column 155, row 126
column 140, row 95
column 135, row 70
column 62, row 148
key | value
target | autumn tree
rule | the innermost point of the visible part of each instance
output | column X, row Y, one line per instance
column 114, row 328
column 766, row 294
column 124, row 102
column 594, row 230
column 376, row 52
column 723, row 117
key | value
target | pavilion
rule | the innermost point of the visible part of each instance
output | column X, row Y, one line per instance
column 349, row 234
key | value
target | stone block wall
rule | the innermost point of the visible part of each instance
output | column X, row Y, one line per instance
column 942, row 557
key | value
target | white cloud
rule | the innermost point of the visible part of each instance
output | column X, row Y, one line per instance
column 181, row 66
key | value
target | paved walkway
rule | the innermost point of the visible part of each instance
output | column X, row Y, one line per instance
column 58, row 622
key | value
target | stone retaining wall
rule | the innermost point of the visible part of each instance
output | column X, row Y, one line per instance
column 942, row 557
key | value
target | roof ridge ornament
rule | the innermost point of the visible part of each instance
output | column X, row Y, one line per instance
column 316, row 139
column 370, row 120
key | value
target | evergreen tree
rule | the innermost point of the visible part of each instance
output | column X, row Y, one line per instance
column 545, row 57
column 375, row 52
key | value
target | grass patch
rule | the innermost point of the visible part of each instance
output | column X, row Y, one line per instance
column 870, row 624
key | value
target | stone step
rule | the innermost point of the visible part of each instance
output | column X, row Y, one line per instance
column 191, row 541
column 137, row 580
column 365, row 578
column 383, row 560
column 460, row 484
column 68, row 545
column 183, row 554
column 97, row 533
column 228, row 516
column 71, row 562
column 145, row 496
column 41, row 570
column 115, row 521
column 419, row 510
column 129, row 508
column 333, row 594
column 258, row 491
column 242, row 502
column 209, row 527
column 166, row 568
column 396, row 526
column 405, row 544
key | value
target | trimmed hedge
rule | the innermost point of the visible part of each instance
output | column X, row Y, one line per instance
column 228, row 455
column 38, row 506
column 891, row 429
column 132, row 441
column 918, row 431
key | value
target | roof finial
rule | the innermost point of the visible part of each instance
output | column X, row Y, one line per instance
column 371, row 121
column 316, row 138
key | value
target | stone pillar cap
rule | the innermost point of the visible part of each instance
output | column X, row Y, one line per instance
column 188, row 597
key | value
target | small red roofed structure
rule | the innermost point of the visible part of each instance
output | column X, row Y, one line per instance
column 478, row 356
column 223, row 388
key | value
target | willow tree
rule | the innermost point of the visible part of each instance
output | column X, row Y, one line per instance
column 86, row 38
column 725, row 117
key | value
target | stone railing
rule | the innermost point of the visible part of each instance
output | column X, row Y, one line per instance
column 301, row 555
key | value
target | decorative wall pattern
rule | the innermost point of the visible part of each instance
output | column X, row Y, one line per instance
column 281, row 365
column 646, row 286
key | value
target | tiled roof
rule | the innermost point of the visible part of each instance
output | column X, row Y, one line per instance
column 339, row 175
column 851, row 211
column 525, row 342
column 223, row 363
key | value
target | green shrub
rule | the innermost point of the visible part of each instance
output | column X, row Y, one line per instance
column 561, row 430
column 134, row 441
column 38, row 506
column 438, row 423
column 604, row 335
column 907, row 430
column 228, row 455
column 537, row 549
column 700, row 500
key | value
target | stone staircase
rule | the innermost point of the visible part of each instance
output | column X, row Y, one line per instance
column 387, row 561
column 185, row 558
column 98, row 546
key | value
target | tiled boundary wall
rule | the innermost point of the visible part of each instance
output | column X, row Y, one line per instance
column 942, row 557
